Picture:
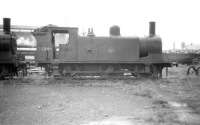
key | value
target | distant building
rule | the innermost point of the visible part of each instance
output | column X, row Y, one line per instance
column 192, row 47
column 183, row 45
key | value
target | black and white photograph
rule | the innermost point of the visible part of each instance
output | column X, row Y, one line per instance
column 100, row 62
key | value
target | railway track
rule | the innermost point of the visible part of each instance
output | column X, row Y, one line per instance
column 103, row 77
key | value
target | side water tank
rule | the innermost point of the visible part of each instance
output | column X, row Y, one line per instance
column 150, row 45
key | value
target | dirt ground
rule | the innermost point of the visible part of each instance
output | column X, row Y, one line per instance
column 36, row 100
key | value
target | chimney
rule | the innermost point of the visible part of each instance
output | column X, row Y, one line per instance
column 6, row 25
column 152, row 30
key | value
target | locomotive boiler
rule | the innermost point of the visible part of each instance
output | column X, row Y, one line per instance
column 8, row 48
column 61, row 50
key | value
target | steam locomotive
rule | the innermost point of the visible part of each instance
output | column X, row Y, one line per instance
column 61, row 51
column 11, row 63
column 8, row 49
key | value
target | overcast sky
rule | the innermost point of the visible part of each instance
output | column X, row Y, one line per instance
column 176, row 20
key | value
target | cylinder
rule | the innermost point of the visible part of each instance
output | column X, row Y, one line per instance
column 152, row 30
column 115, row 31
column 6, row 25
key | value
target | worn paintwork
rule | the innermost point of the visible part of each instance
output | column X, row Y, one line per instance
column 108, row 49
column 94, row 49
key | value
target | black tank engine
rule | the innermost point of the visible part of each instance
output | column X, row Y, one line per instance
column 8, row 49
column 62, row 51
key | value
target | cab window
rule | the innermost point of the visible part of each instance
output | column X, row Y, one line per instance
column 61, row 38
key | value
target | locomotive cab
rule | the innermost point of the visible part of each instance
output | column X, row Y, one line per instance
column 51, row 41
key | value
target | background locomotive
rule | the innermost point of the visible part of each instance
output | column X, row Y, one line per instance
column 8, row 48
column 10, row 61
column 63, row 51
